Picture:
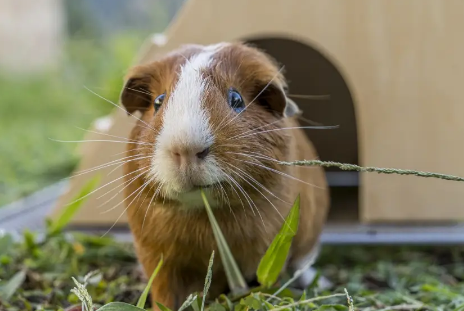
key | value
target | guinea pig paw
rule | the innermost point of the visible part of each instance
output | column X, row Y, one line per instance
column 307, row 277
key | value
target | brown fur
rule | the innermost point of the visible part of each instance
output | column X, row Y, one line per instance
column 184, row 237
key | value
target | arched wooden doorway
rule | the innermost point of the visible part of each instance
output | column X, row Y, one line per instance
column 311, row 73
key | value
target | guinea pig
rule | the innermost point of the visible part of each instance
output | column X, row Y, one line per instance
column 217, row 118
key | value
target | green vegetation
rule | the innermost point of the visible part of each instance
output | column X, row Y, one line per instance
column 108, row 277
column 375, row 277
column 102, row 38
column 56, row 105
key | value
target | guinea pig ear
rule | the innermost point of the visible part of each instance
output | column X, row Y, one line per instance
column 136, row 93
column 275, row 99
column 291, row 109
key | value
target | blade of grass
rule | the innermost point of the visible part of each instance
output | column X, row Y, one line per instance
column 143, row 298
column 209, row 276
column 73, row 208
column 119, row 306
column 7, row 290
column 274, row 259
column 162, row 307
column 6, row 242
column 190, row 299
column 302, row 302
column 235, row 278
column 380, row 170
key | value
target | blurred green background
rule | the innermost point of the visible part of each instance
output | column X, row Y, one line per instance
column 99, row 41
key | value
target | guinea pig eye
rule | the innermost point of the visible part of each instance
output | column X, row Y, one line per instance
column 235, row 100
column 158, row 101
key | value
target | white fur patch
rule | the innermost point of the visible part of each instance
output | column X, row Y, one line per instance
column 186, row 125
column 308, row 275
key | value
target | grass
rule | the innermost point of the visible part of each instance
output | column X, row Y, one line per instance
column 375, row 277
column 53, row 105
column 364, row 278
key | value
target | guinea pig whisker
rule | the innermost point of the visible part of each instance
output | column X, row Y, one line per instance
column 130, row 160
column 151, row 180
column 123, row 212
column 260, row 156
column 133, row 192
column 134, row 149
column 233, row 188
column 291, row 128
column 257, row 182
column 245, row 195
column 127, row 182
column 119, row 107
column 109, row 183
column 98, row 167
column 146, row 195
column 100, row 140
column 132, row 179
column 265, row 197
column 311, row 97
column 147, row 183
column 309, row 121
column 280, row 173
column 109, row 135
column 256, row 207
column 116, row 162
column 265, row 87
column 94, row 169
column 255, row 155
column 255, row 129
column 223, row 194
column 251, row 203
column 155, row 194
column 148, row 207
column 146, row 92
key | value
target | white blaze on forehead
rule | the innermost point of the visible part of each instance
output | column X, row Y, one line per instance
column 186, row 121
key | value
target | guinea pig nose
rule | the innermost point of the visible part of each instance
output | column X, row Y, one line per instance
column 201, row 155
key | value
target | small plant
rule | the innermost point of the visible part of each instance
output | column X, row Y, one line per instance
column 273, row 261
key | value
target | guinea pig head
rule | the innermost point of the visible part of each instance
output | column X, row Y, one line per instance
column 210, row 118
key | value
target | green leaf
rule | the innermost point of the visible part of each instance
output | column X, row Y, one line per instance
column 252, row 302
column 6, row 242
column 143, row 297
column 7, row 290
column 162, row 307
column 74, row 206
column 226, row 301
column 119, row 306
column 190, row 299
column 240, row 307
column 216, row 307
column 196, row 304
column 209, row 276
column 235, row 278
column 268, row 305
column 273, row 261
